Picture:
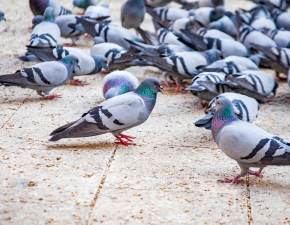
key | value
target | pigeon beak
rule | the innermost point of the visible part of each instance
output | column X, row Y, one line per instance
column 161, row 89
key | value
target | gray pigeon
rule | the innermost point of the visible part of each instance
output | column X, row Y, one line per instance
column 108, row 50
column 226, row 24
column 204, row 85
column 281, row 37
column 246, row 143
column 43, row 77
column 281, row 18
column 133, row 13
column 114, row 115
column 119, row 82
column 70, row 27
column 253, row 83
column 245, row 108
column 87, row 64
column 46, row 34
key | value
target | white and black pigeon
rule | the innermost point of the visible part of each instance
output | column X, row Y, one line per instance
column 226, row 24
column 119, row 82
column 39, row 6
column 70, row 27
column 281, row 37
column 227, row 47
column 245, row 108
column 114, row 115
column 109, row 32
column 98, row 11
column 87, row 64
column 249, row 145
column 204, row 85
column 253, row 83
column 281, row 19
column 232, row 64
column 44, row 35
column 43, row 77
column 110, row 51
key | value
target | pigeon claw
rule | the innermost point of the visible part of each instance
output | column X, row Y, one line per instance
column 235, row 180
column 51, row 97
column 125, row 140
column 76, row 82
column 255, row 173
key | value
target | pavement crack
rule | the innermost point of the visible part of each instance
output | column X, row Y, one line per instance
column 101, row 185
column 248, row 202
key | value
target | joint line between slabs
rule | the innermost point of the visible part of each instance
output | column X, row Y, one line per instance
column 101, row 185
column 248, row 202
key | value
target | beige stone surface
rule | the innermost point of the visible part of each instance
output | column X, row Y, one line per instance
column 168, row 178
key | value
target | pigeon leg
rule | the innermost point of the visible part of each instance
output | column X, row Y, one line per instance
column 256, row 173
column 128, row 137
column 76, row 82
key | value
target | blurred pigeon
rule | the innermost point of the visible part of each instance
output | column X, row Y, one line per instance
column 225, row 46
column 108, row 50
column 45, row 35
column 281, row 18
column 133, row 13
column 245, row 108
column 70, row 27
column 39, row 6
column 98, row 11
column 43, row 77
column 87, row 64
column 253, row 83
column 206, row 15
column 213, row 33
column 232, row 64
column 118, row 83
column 204, row 85
column 114, row 115
column 246, row 143
column 281, row 37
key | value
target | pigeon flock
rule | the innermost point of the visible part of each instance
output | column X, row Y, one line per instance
column 199, row 46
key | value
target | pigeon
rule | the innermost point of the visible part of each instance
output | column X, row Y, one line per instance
column 246, row 143
column 45, row 35
column 225, row 46
column 114, row 115
column 204, row 85
column 232, row 64
column 281, row 19
column 213, row 33
column 133, row 13
column 253, row 83
column 87, row 64
column 84, row 4
column 39, row 6
column 2, row 16
column 109, row 32
column 43, row 77
column 108, row 50
column 277, row 58
column 206, row 15
column 118, row 83
column 226, row 24
column 70, row 27
column 281, row 37
column 98, row 11
column 245, row 108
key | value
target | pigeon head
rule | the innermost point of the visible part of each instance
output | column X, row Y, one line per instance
column 49, row 14
column 2, row 16
column 224, row 109
column 81, row 3
column 71, row 63
column 100, row 63
column 149, row 87
column 217, row 13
